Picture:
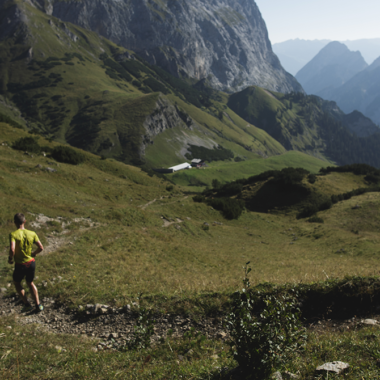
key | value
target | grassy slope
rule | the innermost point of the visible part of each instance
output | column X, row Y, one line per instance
column 102, row 114
column 277, row 115
column 131, row 253
column 225, row 171
column 164, row 260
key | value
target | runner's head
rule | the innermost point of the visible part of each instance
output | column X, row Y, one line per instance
column 19, row 219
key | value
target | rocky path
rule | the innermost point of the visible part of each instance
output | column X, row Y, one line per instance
column 110, row 327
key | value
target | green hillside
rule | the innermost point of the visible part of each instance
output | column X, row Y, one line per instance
column 117, row 236
column 225, row 171
column 73, row 86
column 303, row 123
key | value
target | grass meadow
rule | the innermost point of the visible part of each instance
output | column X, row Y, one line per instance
column 151, row 241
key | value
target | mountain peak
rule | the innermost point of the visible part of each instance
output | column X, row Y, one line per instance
column 333, row 66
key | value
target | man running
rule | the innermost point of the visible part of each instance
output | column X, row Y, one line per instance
column 21, row 246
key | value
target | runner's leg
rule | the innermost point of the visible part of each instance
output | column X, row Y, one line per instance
column 21, row 292
column 34, row 291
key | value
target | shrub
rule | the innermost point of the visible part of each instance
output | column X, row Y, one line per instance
column 311, row 178
column 143, row 331
column 315, row 219
column 308, row 210
column 217, row 154
column 199, row 198
column 46, row 149
column 28, row 144
column 67, row 155
column 230, row 189
column 169, row 188
column 372, row 178
column 316, row 202
column 231, row 208
column 262, row 344
column 216, row 184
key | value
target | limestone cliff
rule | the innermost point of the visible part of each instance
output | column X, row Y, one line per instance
column 225, row 41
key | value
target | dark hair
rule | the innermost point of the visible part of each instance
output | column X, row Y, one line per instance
column 19, row 219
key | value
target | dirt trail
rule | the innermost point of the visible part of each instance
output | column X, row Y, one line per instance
column 112, row 327
column 143, row 207
column 56, row 240
column 103, row 322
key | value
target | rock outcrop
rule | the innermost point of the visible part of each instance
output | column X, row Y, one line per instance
column 165, row 116
column 225, row 41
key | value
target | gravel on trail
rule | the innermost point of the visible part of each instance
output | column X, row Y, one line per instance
column 114, row 327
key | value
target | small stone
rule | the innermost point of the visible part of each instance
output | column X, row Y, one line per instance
column 336, row 367
column 369, row 322
column 113, row 336
column 39, row 166
column 9, row 327
column 51, row 170
column 94, row 349
column 9, row 285
column 214, row 357
column 3, row 290
column 288, row 375
column 277, row 376
column 59, row 349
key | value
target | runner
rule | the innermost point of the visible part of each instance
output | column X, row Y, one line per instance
column 21, row 245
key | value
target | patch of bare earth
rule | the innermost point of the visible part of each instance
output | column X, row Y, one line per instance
column 56, row 240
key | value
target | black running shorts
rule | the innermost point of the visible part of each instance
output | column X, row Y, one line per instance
column 26, row 270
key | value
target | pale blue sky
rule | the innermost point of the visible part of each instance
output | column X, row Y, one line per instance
column 321, row 19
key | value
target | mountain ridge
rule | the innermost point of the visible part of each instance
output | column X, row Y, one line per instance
column 225, row 41
column 361, row 92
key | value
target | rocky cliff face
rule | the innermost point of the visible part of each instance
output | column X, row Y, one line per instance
column 225, row 41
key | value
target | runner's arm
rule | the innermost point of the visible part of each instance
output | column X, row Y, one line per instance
column 12, row 251
column 39, row 249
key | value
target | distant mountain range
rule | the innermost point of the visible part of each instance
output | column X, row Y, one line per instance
column 333, row 66
column 361, row 92
column 294, row 54
column 343, row 76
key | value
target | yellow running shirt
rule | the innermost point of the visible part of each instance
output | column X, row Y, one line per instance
column 24, row 240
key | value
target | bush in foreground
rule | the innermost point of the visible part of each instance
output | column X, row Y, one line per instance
column 67, row 155
column 265, row 343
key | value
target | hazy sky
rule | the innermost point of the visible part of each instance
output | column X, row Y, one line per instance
column 321, row 19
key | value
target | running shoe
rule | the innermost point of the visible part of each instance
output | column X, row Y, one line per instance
column 27, row 308
column 40, row 307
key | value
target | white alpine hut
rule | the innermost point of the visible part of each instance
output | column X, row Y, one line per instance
column 180, row 167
